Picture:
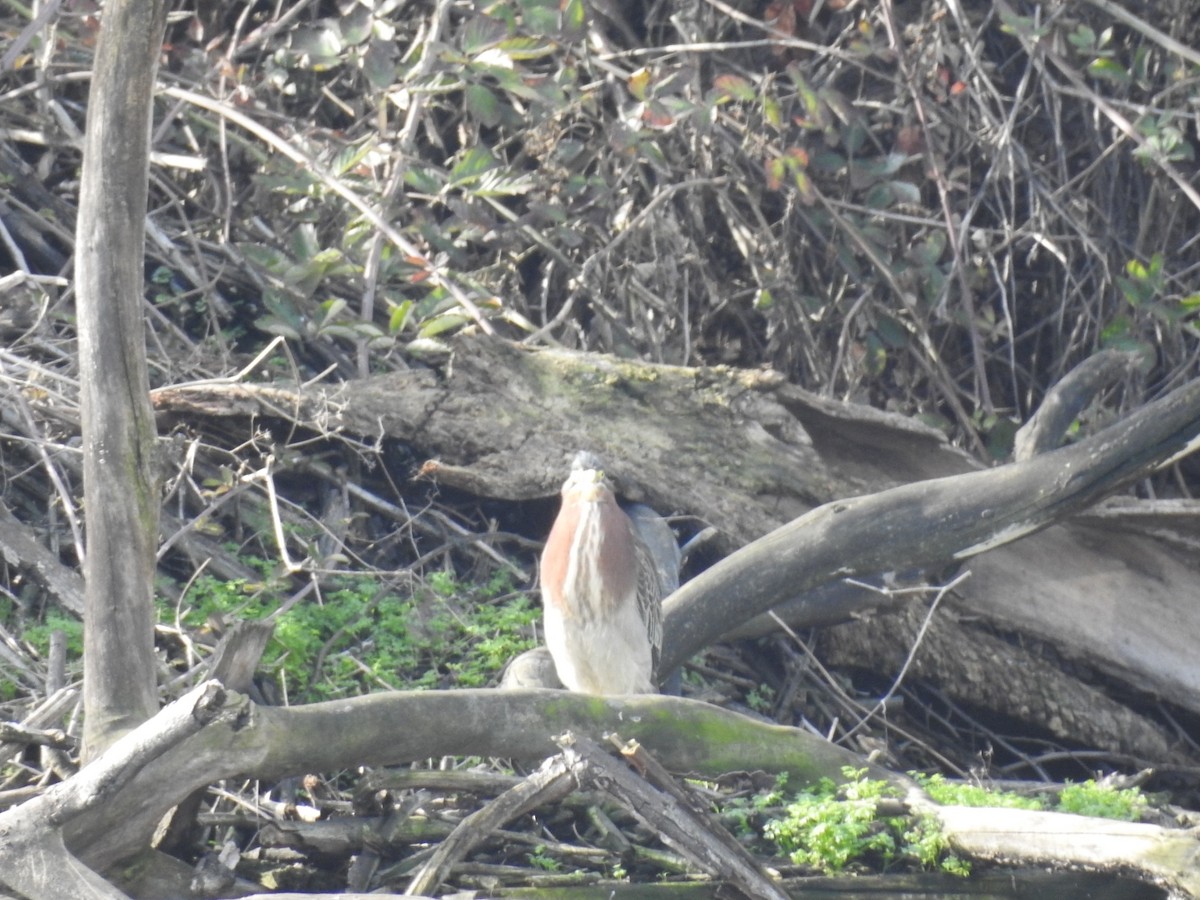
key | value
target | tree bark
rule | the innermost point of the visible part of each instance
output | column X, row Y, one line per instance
column 927, row 523
column 121, row 495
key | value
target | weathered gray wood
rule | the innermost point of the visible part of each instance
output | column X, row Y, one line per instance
column 1169, row 857
column 748, row 453
column 108, row 811
column 505, row 421
column 927, row 523
column 1047, row 427
column 34, row 858
column 120, row 477
column 21, row 549
column 390, row 728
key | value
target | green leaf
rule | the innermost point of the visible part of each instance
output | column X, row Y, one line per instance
column 331, row 309
column 305, row 276
column 1118, row 333
column 443, row 323
column 574, row 18
column 638, row 82
column 356, row 25
column 537, row 88
column 268, row 258
column 815, row 114
column 776, row 169
column 868, row 171
column 808, row 193
column 424, row 179
column 399, row 317
column 1136, row 291
column 734, row 87
column 878, row 197
column 481, row 33
column 1083, row 37
column 527, row 47
column 772, row 113
column 1135, row 268
column 874, row 359
column 379, row 63
column 905, row 192
column 891, row 332
column 1023, row 26
column 827, row 161
column 930, row 250
column 567, row 151
column 541, row 16
column 351, row 156
column 305, row 244
column 319, row 46
column 273, row 325
column 474, row 162
column 482, row 104
column 854, row 137
column 1109, row 70
column 499, row 184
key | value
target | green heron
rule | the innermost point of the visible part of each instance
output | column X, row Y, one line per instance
column 601, row 591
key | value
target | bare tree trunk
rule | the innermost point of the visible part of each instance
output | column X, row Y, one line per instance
column 119, row 476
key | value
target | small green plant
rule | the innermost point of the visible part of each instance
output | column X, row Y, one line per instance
column 1102, row 801
column 925, row 842
column 39, row 635
column 941, row 791
column 539, row 860
column 831, row 826
column 36, row 635
column 774, row 796
column 361, row 636
column 740, row 813
column 761, row 698
column 1085, row 799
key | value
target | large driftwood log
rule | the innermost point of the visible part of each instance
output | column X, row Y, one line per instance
column 107, row 812
column 749, row 454
column 1164, row 856
column 272, row 742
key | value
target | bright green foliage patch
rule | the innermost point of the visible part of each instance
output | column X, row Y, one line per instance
column 355, row 635
column 973, row 795
column 1086, row 799
column 1092, row 799
column 364, row 635
column 37, row 636
column 540, row 860
column 830, row 826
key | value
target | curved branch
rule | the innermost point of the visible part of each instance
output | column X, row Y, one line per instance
column 380, row 729
column 926, row 523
